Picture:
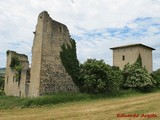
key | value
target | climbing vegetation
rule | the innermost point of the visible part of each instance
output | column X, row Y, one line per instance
column 16, row 65
column 69, row 59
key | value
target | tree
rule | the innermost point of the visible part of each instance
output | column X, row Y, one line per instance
column 156, row 76
column 139, row 60
column 98, row 77
column 1, row 83
column 137, row 77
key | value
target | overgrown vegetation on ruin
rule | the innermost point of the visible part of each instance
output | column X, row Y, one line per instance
column 1, row 85
column 97, row 77
column 69, row 59
column 97, row 80
column 16, row 65
column 2, row 77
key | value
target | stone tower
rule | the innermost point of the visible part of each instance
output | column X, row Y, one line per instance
column 129, row 54
column 48, row 74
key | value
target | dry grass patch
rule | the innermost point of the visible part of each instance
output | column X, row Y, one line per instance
column 101, row 109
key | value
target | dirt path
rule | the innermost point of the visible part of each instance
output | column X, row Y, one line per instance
column 142, row 107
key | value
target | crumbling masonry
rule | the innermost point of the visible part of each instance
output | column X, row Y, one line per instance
column 47, row 74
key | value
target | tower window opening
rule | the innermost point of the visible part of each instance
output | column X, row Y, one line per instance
column 60, row 29
column 123, row 58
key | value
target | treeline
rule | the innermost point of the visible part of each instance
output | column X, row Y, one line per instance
column 97, row 77
column 1, row 85
column 2, row 76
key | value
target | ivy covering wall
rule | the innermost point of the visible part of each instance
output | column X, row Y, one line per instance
column 16, row 65
column 69, row 60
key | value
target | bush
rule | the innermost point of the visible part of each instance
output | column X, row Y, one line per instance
column 1, row 86
column 1, row 83
column 1, row 92
column 137, row 77
column 156, row 76
column 97, row 77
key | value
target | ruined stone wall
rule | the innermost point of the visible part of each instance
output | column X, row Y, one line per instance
column 36, row 58
column 48, row 74
column 12, row 86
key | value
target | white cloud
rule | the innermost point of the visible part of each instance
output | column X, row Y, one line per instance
column 88, row 22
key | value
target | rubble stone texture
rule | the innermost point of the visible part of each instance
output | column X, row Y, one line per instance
column 47, row 74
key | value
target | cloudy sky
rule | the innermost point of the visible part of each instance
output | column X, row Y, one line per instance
column 96, row 25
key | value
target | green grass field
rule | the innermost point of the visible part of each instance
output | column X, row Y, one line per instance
column 87, row 108
column 9, row 102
